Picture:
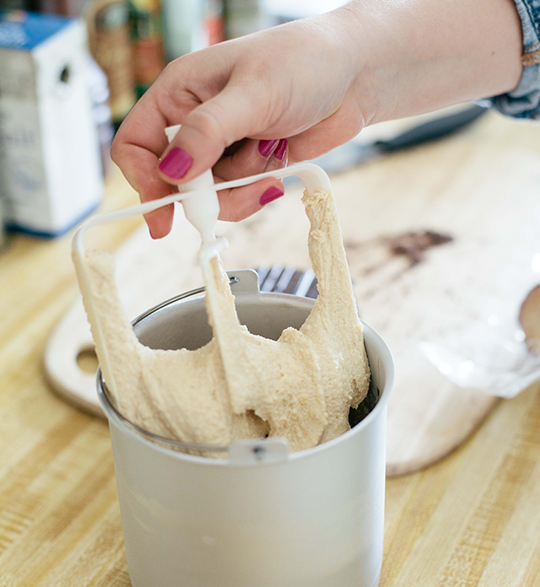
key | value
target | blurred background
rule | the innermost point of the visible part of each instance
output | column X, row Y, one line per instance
column 70, row 71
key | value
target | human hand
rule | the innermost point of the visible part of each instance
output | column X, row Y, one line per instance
column 246, row 106
column 298, row 90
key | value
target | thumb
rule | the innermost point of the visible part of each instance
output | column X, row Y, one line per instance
column 207, row 131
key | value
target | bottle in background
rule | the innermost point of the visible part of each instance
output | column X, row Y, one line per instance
column 214, row 23
column 108, row 29
column 243, row 17
column 189, row 25
column 65, row 7
column 146, row 42
column 182, row 27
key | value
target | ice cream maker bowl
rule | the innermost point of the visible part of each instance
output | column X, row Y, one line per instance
column 260, row 516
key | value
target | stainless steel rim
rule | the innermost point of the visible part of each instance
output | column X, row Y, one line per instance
column 111, row 410
column 108, row 403
column 105, row 399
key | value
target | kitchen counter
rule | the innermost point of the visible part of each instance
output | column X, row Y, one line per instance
column 472, row 519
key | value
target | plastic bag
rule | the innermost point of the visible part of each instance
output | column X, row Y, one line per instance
column 490, row 354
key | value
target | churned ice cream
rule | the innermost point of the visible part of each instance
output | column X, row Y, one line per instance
column 238, row 386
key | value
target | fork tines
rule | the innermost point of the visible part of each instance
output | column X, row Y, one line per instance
column 288, row 280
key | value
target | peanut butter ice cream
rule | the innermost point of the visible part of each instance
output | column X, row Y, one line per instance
column 300, row 387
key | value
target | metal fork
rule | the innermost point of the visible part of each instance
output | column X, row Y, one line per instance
column 288, row 280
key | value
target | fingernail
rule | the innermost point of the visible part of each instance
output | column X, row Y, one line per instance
column 176, row 163
column 270, row 195
column 266, row 147
column 281, row 149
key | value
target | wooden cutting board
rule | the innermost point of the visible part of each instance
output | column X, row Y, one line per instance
column 486, row 199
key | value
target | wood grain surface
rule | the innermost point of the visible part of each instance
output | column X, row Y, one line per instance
column 486, row 210
column 470, row 520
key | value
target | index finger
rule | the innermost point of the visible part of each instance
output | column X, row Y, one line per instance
column 136, row 149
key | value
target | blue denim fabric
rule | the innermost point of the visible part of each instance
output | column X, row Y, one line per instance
column 524, row 101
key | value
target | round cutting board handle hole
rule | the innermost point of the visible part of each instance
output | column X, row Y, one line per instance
column 87, row 361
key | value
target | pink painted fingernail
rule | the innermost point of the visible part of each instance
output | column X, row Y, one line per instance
column 270, row 195
column 281, row 149
column 176, row 163
column 266, row 147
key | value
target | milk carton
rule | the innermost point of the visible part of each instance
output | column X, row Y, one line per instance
column 50, row 175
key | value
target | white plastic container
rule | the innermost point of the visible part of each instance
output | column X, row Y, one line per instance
column 262, row 517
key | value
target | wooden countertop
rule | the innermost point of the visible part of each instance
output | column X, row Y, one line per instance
column 471, row 520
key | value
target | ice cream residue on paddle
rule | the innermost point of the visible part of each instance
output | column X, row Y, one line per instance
column 239, row 386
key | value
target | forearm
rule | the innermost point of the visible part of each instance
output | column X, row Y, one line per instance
column 419, row 55
column 310, row 86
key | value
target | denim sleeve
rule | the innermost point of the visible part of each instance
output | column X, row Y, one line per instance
column 524, row 101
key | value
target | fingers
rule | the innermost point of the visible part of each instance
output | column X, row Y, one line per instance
column 240, row 203
column 251, row 158
column 207, row 131
column 135, row 150
column 139, row 168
